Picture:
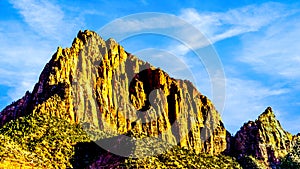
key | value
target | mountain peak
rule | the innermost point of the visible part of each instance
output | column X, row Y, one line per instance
column 99, row 83
column 269, row 110
column 267, row 113
column 83, row 35
column 264, row 139
column 268, row 120
column 86, row 35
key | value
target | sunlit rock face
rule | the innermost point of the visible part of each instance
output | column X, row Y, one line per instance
column 263, row 138
column 98, row 84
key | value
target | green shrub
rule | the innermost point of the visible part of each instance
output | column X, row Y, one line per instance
column 292, row 159
column 42, row 140
column 45, row 141
column 177, row 157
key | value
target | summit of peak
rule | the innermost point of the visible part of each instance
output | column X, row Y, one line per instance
column 267, row 113
column 98, row 82
column 86, row 33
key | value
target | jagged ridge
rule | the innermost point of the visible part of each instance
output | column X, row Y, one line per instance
column 98, row 83
column 263, row 139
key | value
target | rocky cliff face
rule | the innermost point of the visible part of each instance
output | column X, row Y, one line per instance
column 98, row 84
column 263, row 138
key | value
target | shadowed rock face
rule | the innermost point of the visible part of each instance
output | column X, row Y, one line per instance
column 98, row 83
column 263, row 138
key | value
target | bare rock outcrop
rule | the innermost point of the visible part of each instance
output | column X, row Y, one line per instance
column 99, row 84
column 263, row 139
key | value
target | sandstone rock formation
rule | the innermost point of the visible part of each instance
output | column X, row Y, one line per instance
column 263, row 138
column 98, row 84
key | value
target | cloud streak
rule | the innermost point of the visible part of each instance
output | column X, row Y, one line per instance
column 27, row 45
column 21, row 58
column 246, row 99
column 217, row 26
column 47, row 19
column 274, row 51
column 221, row 25
column 262, row 29
column 269, row 34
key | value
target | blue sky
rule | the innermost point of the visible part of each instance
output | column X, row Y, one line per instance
column 257, row 42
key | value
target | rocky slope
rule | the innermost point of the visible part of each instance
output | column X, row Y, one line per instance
column 98, row 84
column 263, row 139
column 95, row 85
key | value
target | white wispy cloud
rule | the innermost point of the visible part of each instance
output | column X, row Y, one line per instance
column 270, row 46
column 140, row 22
column 27, row 45
column 263, row 37
column 22, row 57
column 274, row 51
column 221, row 25
column 245, row 100
column 216, row 26
column 155, row 23
column 47, row 18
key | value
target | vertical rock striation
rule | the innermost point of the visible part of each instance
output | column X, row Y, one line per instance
column 263, row 138
column 97, row 83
